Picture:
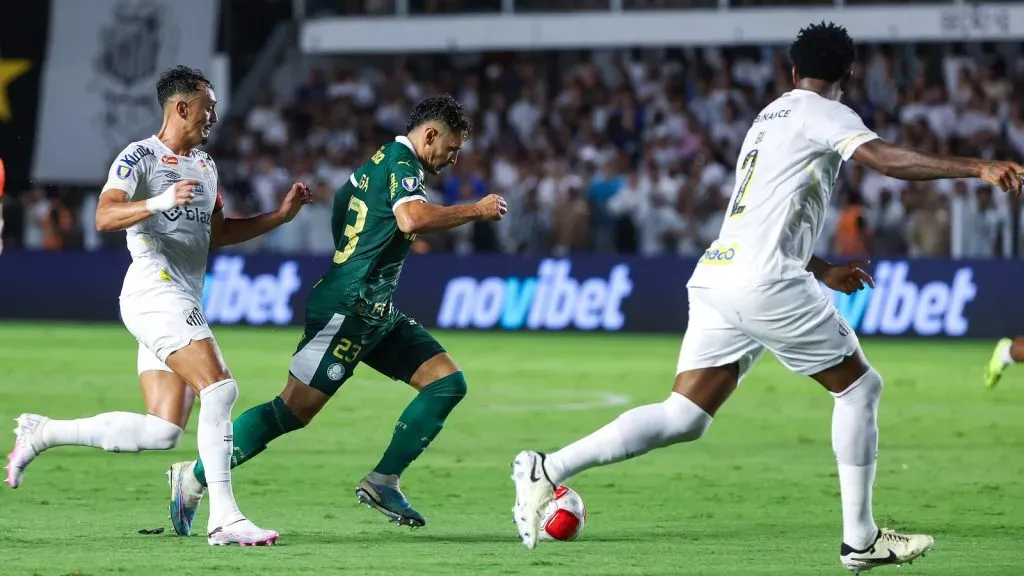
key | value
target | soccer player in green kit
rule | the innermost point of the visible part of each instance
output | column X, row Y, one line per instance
column 350, row 318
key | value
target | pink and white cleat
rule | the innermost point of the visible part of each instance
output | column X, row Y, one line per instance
column 242, row 532
column 24, row 451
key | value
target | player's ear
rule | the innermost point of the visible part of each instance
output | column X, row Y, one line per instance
column 181, row 108
column 429, row 134
column 795, row 76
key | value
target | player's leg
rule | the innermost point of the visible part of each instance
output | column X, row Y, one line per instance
column 410, row 354
column 802, row 327
column 325, row 358
column 1008, row 351
column 713, row 358
column 200, row 363
column 168, row 401
column 253, row 430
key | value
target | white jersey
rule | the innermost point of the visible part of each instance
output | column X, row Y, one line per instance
column 785, row 174
column 169, row 249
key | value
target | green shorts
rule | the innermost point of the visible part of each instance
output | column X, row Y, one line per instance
column 332, row 347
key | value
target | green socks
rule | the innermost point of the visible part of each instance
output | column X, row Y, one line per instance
column 421, row 421
column 254, row 429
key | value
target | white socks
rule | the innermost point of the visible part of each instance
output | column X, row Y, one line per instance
column 855, row 443
column 214, row 436
column 113, row 432
column 633, row 433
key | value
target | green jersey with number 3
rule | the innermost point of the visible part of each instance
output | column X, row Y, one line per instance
column 369, row 247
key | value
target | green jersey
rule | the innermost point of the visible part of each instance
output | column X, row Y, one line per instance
column 369, row 247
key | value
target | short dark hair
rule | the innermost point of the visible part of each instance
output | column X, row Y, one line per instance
column 178, row 81
column 444, row 109
column 823, row 52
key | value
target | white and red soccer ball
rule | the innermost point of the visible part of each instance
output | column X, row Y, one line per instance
column 564, row 516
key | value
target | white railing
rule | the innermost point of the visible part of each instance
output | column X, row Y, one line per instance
column 948, row 22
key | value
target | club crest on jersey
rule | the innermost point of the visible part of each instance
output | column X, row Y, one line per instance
column 335, row 372
column 411, row 183
column 170, row 160
column 124, row 172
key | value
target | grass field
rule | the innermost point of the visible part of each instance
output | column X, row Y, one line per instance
column 758, row 495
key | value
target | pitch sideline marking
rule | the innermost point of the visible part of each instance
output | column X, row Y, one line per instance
column 592, row 400
column 598, row 399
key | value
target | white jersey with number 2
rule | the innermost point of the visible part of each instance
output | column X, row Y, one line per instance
column 169, row 249
column 785, row 174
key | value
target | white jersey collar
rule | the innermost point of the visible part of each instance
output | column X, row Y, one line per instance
column 405, row 142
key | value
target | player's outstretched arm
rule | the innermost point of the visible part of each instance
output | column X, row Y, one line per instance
column 420, row 217
column 115, row 211
column 228, row 231
column 909, row 164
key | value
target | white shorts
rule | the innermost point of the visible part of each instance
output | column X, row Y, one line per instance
column 793, row 318
column 163, row 322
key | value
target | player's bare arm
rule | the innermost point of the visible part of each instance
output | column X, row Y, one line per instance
column 115, row 212
column 909, row 164
column 423, row 217
column 228, row 231
column 846, row 278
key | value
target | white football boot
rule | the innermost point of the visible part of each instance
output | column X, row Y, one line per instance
column 534, row 491
column 241, row 532
column 25, row 447
column 889, row 548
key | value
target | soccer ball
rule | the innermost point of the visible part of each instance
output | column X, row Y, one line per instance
column 564, row 516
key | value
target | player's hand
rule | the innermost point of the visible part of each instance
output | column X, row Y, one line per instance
column 847, row 278
column 492, row 207
column 180, row 194
column 1008, row 176
column 298, row 196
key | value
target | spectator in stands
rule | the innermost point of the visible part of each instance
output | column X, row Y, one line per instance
column 854, row 238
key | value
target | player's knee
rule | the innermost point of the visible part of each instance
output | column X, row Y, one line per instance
column 160, row 434
column 222, row 392
column 452, row 386
column 866, row 391
column 688, row 422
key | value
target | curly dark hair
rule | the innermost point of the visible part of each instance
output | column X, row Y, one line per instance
column 179, row 81
column 442, row 108
column 823, row 52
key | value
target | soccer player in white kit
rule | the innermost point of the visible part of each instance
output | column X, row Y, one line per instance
column 756, row 288
column 163, row 192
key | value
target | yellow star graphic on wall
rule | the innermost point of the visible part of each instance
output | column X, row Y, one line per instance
column 10, row 69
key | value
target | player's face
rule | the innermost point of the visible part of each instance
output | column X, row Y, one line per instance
column 201, row 114
column 442, row 149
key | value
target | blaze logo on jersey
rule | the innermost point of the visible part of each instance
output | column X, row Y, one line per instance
column 191, row 214
column 411, row 183
column 170, row 160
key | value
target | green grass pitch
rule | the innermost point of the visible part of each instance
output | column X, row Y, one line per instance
column 758, row 495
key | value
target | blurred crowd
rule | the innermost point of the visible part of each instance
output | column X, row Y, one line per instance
column 624, row 152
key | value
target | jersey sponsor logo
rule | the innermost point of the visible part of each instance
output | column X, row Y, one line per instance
column 411, row 183
column 765, row 116
column 131, row 159
column 123, row 172
column 170, row 160
column 231, row 296
column 190, row 214
column 898, row 305
column 718, row 256
column 552, row 300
